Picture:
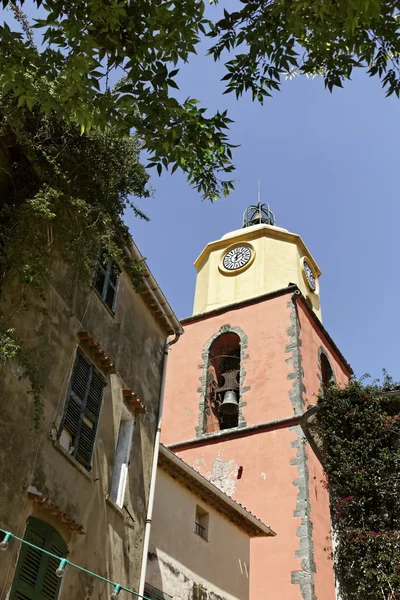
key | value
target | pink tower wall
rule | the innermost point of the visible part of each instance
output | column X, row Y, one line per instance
column 281, row 479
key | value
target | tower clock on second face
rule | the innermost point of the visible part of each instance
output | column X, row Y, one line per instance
column 237, row 258
column 309, row 276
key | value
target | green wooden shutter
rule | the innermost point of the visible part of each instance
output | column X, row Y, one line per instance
column 35, row 577
column 87, row 435
column 82, row 408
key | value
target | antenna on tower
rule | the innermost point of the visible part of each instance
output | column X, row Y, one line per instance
column 260, row 214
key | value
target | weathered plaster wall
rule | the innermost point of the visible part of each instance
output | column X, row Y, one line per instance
column 131, row 338
column 181, row 563
column 281, row 480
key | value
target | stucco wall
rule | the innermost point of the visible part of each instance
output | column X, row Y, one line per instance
column 313, row 343
column 266, row 385
column 131, row 338
column 185, row 566
column 281, row 481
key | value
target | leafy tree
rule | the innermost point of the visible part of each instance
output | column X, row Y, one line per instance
column 86, row 42
column 310, row 37
column 359, row 428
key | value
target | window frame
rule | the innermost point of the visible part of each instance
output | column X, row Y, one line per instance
column 84, row 412
column 153, row 593
column 106, row 270
column 202, row 522
column 122, row 457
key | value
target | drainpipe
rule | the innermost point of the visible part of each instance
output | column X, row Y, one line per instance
column 154, row 468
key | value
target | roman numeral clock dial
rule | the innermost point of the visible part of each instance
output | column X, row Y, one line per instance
column 237, row 258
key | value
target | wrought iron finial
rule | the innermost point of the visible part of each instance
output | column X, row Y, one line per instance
column 259, row 214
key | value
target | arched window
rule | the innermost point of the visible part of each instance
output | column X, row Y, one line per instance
column 223, row 390
column 35, row 576
column 327, row 374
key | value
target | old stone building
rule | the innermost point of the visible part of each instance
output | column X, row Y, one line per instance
column 200, row 538
column 251, row 361
column 78, row 486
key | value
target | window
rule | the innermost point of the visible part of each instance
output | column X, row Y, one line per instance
column 82, row 409
column 151, row 593
column 35, row 577
column 327, row 374
column 106, row 280
column 201, row 523
column 122, row 458
column 222, row 395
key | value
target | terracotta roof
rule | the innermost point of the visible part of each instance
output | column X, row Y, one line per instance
column 46, row 503
column 209, row 493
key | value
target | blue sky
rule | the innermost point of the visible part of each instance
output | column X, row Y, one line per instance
column 328, row 165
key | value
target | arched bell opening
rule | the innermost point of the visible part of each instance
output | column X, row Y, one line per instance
column 327, row 374
column 221, row 408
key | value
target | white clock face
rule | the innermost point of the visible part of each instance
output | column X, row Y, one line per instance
column 237, row 258
column 310, row 276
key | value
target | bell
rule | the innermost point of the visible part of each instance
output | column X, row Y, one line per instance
column 230, row 405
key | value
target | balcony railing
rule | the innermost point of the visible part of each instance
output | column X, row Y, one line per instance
column 200, row 530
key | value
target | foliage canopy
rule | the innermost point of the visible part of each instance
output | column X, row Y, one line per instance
column 86, row 43
column 360, row 432
column 63, row 195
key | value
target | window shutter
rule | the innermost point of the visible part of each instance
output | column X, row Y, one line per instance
column 35, row 576
column 89, row 424
column 77, row 394
column 83, row 408
column 109, row 297
column 106, row 279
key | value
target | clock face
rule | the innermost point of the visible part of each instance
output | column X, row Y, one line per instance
column 310, row 276
column 237, row 258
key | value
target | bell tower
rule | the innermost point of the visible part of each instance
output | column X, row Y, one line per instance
column 252, row 360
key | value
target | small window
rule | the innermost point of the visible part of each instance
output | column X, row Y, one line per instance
column 106, row 280
column 201, row 523
column 327, row 374
column 35, row 575
column 81, row 414
column 152, row 593
column 122, row 458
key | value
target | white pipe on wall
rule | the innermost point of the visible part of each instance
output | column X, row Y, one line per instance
column 150, row 505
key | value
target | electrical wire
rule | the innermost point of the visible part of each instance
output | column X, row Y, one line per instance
column 64, row 562
column 43, row 434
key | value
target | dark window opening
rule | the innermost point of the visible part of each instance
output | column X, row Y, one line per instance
column 201, row 523
column 35, row 575
column 106, row 279
column 151, row 593
column 223, row 390
column 79, row 423
column 327, row 374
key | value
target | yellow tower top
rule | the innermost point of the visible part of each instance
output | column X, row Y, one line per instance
column 252, row 261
